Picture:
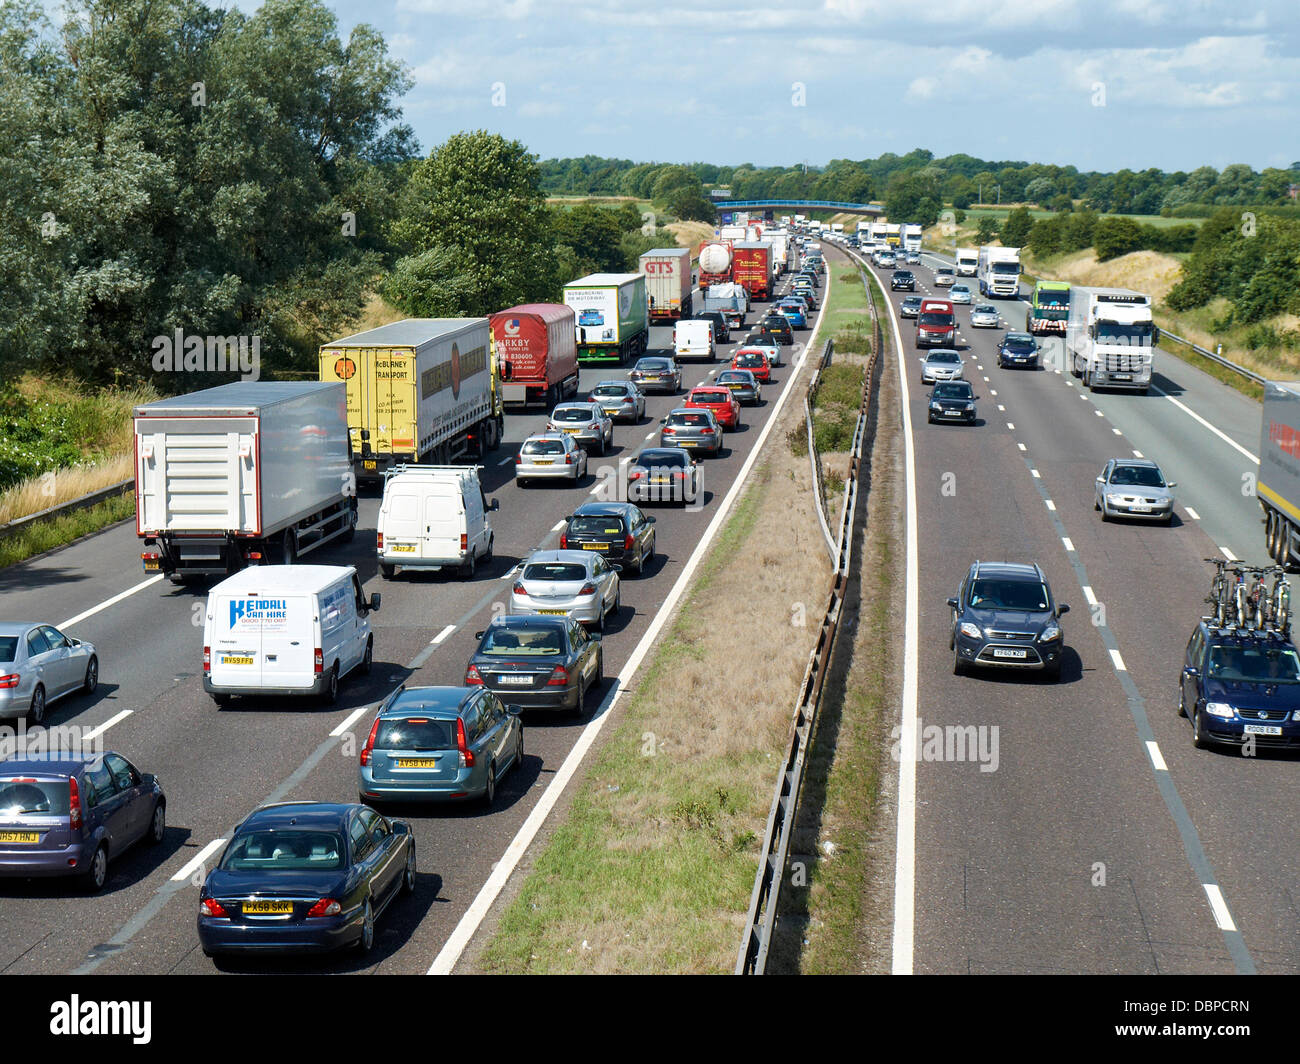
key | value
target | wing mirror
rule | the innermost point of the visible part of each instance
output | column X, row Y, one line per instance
column 953, row 603
column 1061, row 609
column 374, row 601
column 514, row 711
column 495, row 505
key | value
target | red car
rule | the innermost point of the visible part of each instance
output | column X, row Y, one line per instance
column 755, row 360
column 720, row 400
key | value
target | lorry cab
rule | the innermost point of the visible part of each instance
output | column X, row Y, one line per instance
column 694, row 338
column 286, row 630
column 936, row 324
column 433, row 517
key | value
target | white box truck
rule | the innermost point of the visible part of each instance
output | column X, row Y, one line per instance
column 1110, row 338
column 780, row 250
column 612, row 313
column 286, row 630
column 911, row 237
column 252, row 471
column 967, row 261
column 998, row 272
column 668, row 283
column 433, row 517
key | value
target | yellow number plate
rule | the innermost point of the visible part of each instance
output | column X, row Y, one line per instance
column 595, row 546
column 404, row 548
column 370, row 464
column 227, row 660
column 554, row 613
column 150, row 566
column 573, row 432
column 267, row 908
column 543, row 461
column 20, row 836
column 417, row 762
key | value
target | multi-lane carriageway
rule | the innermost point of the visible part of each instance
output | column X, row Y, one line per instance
column 218, row 765
column 1103, row 841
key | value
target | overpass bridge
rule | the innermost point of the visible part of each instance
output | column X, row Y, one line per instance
column 872, row 210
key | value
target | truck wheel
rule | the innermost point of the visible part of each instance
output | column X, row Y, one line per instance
column 288, row 549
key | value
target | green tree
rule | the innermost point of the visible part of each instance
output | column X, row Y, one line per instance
column 1039, row 190
column 912, row 197
column 1015, row 230
column 690, row 205
column 594, row 234
column 1112, row 237
column 986, row 231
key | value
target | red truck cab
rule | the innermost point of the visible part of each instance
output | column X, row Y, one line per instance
column 936, row 324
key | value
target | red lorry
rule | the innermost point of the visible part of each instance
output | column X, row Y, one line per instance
column 536, row 353
column 752, row 267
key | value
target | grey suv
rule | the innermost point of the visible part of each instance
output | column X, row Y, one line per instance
column 1004, row 615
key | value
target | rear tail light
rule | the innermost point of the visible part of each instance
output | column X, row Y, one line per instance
column 74, row 804
column 627, row 541
column 627, row 399
column 319, row 660
column 594, row 425
column 13, row 678
column 464, row 541
column 207, row 661
column 519, row 589
column 679, row 476
column 379, row 540
column 588, row 589
column 669, row 430
column 253, row 555
column 466, row 754
column 706, row 432
column 564, row 541
column 559, row 677
column 519, row 459
column 569, row 459
column 212, row 907
column 149, row 556
column 370, row 742
column 325, row 907
column 473, row 676
column 635, row 474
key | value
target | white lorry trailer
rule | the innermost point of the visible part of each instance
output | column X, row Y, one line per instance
column 1110, row 338
column 998, row 272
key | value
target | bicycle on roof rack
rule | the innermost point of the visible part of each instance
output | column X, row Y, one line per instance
column 1241, row 597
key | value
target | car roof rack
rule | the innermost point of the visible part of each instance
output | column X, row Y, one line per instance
column 412, row 467
column 1248, row 631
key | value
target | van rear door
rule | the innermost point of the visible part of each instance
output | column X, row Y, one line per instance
column 289, row 642
column 262, row 641
column 444, row 522
column 400, row 522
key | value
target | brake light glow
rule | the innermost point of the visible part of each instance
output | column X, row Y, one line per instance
column 635, row 474
column 627, row 541
column 564, row 541
column 212, row 907
column 519, row 589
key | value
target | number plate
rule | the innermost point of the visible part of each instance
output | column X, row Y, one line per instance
column 417, row 762
column 267, row 908
column 1140, row 509
column 515, row 681
column 150, row 566
column 20, row 836
column 573, row 432
column 554, row 613
column 595, row 546
column 1123, row 376
column 236, row 660
column 661, row 480
column 404, row 548
column 1261, row 729
column 1008, row 652
column 368, row 464
column 543, row 461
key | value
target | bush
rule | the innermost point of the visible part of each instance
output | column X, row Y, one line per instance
column 854, row 338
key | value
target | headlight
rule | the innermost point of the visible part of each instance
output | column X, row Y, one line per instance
column 1219, row 709
column 1296, row 715
column 1051, row 632
column 971, row 630
column 936, row 406
column 1115, row 500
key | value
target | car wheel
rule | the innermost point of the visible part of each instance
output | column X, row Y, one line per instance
column 408, row 876
column 387, row 571
column 490, row 788
column 487, row 554
column 96, row 875
column 958, row 666
column 331, row 693
column 36, row 711
column 580, row 706
column 1198, row 733
column 1096, row 503
column 158, row 825
column 598, row 681
column 368, row 660
column 601, row 622
column 92, row 675
column 366, row 940
column 1105, row 514
column 519, row 748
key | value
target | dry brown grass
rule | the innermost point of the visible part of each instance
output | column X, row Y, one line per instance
column 33, row 496
column 689, row 234
column 377, row 312
column 1142, row 271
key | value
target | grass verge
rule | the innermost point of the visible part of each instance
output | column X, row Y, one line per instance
column 60, row 531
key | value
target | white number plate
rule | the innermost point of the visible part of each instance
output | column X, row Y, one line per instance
column 1008, row 652
column 520, row 681
column 1261, row 729
column 1140, row 509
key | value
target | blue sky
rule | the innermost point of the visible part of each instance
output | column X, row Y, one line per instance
column 1102, row 85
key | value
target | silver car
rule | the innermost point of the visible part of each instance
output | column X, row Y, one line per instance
column 1134, row 487
column 960, row 293
column 567, row 583
column 985, row 316
column 944, row 275
column 659, row 374
column 910, row 307
column 39, row 665
column 743, row 384
column 696, row 430
column 585, row 422
column 550, row 456
column 619, row 399
column 942, row 364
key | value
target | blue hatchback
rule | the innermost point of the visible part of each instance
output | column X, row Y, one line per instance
column 793, row 313
column 440, row 743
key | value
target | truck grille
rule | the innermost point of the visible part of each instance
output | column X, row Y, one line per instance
column 1126, row 363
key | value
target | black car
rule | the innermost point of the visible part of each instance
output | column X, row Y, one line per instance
column 910, row 307
column 538, row 662
column 952, row 401
column 618, row 530
column 305, row 877
column 1004, row 615
column 1241, row 685
column 663, row 474
column 902, row 281
column 777, row 328
column 721, row 330
column 1018, row 349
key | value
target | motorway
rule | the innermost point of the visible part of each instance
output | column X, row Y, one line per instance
column 217, row 765
column 1102, row 841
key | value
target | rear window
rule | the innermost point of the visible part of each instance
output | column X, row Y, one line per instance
column 710, row 397
column 698, row 420
column 572, row 413
column 516, row 642
column 596, row 526
column 653, row 365
column 23, row 797
column 544, row 447
column 8, row 647
column 651, row 459
column 609, row 389
column 288, row 851
column 418, row 733
column 557, row 571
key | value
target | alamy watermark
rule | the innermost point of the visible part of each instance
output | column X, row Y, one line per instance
column 18, row 740
column 208, row 354
column 951, row 742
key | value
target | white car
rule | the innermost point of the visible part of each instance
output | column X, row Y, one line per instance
column 984, row 316
column 550, row 456
column 942, row 364
column 944, row 276
column 960, row 293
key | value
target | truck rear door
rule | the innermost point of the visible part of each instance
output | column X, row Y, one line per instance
column 288, row 641
column 197, row 474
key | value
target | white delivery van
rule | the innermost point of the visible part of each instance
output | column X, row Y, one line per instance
column 433, row 517
column 693, row 338
column 286, row 630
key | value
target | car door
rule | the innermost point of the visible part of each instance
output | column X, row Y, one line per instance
column 1105, row 482
column 384, row 854
column 67, row 663
column 43, row 662
column 601, row 573
column 361, row 625
column 497, row 723
column 581, row 645
column 130, row 786
column 108, row 806
column 1191, row 680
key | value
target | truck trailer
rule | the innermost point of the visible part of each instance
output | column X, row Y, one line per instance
column 715, row 262
column 668, row 283
column 1278, row 484
column 535, row 351
column 419, row 390
column 753, row 267
column 998, row 271
column 1110, row 338
column 612, row 316
column 730, row 300
column 245, row 473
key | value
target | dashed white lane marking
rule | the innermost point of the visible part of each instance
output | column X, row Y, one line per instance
column 1157, row 761
column 1050, row 505
column 507, row 460
column 196, row 862
column 110, row 601
column 557, row 526
column 1099, row 413
column 651, row 436
column 1192, row 513
column 992, row 392
column 117, row 718
column 348, row 721
column 1118, row 661
column 1137, row 454
column 1228, row 554
column 1117, row 432
column 443, row 634
column 1087, row 593
column 1010, row 427
column 1221, row 915
column 1068, row 545
column 1022, row 446
column 1002, row 408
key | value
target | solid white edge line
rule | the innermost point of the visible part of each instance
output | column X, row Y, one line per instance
column 445, row 962
column 117, row 718
column 443, row 634
column 1222, row 916
column 1157, row 760
column 110, row 601
column 557, row 526
column 1197, row 418
column 348, row 721
column 196, row 862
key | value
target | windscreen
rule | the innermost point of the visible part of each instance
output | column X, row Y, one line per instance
column 289, row 850
column 543, row 447
column 1255, row 664
column 688, row 419
column 944, row 356
column 992, row 594
column 1138, row 476
column 714, row 397
column 656, row 459
column 1140, row 334
column 596, row 526
column 952, row 391
column 750, row 358
column 653, row 365
column 614, row 390
column 572, row 413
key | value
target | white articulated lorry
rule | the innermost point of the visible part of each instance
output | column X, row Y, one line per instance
column 249, row 472
column 1110, row 338
column 998, row 272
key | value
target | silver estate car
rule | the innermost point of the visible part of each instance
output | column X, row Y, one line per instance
column 585, row 422
column 1134, row 487
column 942, row 364
column 567, row 583
column 620, row 400
column 984, row 316
column 39, row 665
column 550, row 456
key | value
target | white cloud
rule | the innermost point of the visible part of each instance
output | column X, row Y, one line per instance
column 922, row 88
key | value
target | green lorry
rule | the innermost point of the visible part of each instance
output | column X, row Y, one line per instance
column 1049, row 308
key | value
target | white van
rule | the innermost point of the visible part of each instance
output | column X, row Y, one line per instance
column 433, row 517
column 286, row 630
column 693, row 338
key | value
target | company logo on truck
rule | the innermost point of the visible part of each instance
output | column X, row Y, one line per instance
column 261, row 611
column 512, row 326
column 345, row 368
